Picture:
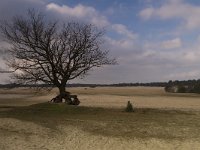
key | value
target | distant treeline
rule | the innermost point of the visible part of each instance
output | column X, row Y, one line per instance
column 15, row 85
column 189, row 86
column 152, row 84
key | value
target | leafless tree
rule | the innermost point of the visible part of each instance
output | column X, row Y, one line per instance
column 47, row 52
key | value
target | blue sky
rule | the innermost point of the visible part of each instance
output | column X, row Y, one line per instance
column 153, row 40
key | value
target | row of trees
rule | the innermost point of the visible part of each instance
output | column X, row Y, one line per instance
column 189, row 86
column 152, row 84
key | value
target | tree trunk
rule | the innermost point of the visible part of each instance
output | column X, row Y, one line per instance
column 64, row 95
column 60, row 96
column 62, row 90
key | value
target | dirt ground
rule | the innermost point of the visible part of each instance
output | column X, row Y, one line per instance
column 16, row 134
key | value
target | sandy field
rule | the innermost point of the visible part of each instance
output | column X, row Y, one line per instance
column 17, row 134
column 116, row 97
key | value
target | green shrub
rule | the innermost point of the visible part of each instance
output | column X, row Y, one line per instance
column 129, row 107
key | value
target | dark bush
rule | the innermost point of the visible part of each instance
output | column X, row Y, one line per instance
column 129, row 107
column 181, row 89
column 196, row 88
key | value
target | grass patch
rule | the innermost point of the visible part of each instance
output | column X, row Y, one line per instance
column 143, row 123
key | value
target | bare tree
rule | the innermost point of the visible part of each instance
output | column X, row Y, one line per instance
column 44, row 51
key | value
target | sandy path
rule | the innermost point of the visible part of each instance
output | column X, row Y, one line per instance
column 19, row 135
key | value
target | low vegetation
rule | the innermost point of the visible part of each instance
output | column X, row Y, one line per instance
column 129, row 107
column 190, row 86
column 160, row 120
column 143, row 123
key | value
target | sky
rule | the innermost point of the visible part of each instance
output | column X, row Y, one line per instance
column 152, row 40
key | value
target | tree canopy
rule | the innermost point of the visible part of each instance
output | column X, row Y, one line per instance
column 46, row 51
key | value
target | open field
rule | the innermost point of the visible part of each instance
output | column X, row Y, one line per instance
column 115, row 97
column 160, row 121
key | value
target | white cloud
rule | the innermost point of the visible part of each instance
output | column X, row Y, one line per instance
column 119, row 48
column 175, row 9
column 147, row 13
column 191, row 56
column 194, row 74
column 91, row 15
column 122, row 45
column 171, row 44
column 186, row 57
column 80, row 11
column 122, row 29
column 167, row 44
column 3, row 47
column 148, row 53
column 139, row 60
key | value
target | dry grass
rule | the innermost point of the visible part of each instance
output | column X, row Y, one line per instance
column 105, row 125
column 115, row 97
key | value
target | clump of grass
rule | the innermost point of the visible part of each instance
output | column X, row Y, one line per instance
column 129, row 107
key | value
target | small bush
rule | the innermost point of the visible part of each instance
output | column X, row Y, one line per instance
column 129, row 107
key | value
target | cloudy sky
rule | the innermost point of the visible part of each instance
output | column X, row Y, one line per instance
column 153, row 40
